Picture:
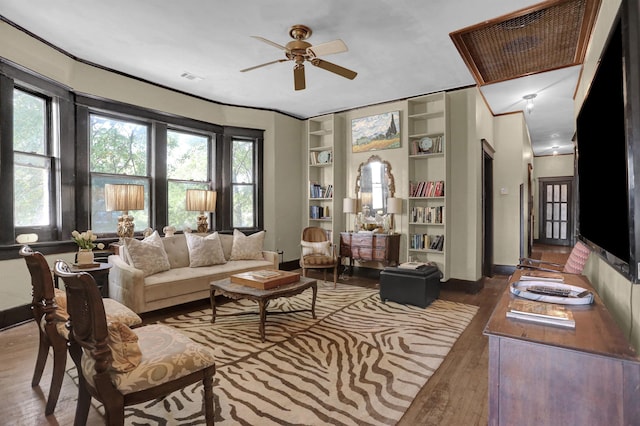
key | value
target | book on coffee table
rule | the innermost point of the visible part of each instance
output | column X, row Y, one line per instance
column 265, row 278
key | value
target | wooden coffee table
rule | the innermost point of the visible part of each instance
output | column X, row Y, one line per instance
column 239, row 291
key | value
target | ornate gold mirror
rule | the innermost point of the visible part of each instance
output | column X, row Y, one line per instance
column 374, row 184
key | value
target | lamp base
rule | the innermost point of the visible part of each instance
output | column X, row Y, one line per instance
column 125, row 227
column 203, row 226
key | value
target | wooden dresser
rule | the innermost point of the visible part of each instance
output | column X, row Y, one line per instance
column 383, row 248
column 545, row 375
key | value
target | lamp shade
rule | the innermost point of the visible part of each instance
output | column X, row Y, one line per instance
column 349, row 205
column 123, row 197
column 394, row 205
column 201, row 200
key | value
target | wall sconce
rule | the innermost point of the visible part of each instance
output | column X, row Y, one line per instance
column 124, row 197
column 201, row 200
column 394, row 205
column 349, row 206
column 529, row 102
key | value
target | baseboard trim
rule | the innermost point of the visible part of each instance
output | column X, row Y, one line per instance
column 503, row 269
column 454, row 284
column 15, row 316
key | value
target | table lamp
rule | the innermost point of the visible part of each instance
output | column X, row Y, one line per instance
column 394, row 205
column 124, row 197
column 348, row 206
column 201, row 200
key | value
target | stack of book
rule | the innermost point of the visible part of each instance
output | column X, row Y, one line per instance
column 541, row 312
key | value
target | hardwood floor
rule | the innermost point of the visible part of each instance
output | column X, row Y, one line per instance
column 456, row 394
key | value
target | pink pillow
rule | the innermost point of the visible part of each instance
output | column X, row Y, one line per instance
column 577, row 259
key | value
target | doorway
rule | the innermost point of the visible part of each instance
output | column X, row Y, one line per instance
column 487, row 209
column 556, row 215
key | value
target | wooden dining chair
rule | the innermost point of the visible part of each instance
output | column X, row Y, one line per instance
column 48, row 305
column 121, row 367
column 50, row 323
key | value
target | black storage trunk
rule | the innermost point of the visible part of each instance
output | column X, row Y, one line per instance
column 417, row 287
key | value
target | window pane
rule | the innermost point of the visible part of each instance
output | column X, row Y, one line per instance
column 242, row 162
column 187, row 156
column 118, row 147
column 242, row 197
column 178, row 215
column 104, row 222
column 243, row 206
column 32, row 189
column 29, row 123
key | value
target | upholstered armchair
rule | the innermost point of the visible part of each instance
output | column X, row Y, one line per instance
column 120, row 366
column 318, row 252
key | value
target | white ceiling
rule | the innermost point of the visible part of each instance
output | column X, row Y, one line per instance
column 400, row 49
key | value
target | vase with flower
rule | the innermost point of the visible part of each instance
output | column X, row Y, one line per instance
column 86, row 244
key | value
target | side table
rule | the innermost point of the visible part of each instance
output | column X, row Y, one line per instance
column 100, row 274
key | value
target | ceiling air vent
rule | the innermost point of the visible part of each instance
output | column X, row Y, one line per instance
column 541, row 38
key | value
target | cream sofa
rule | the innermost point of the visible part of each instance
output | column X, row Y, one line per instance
column 143, row 290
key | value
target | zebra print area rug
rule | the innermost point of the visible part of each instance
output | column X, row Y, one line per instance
column 360, row 362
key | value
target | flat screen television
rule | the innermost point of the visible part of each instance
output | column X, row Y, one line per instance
column 605, row 189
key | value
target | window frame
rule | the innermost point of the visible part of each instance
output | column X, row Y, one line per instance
column 224, row 215
column 50, row 157
column 209, row 183
column 73, row 179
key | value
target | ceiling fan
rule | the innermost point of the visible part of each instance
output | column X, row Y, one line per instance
column 298, row 50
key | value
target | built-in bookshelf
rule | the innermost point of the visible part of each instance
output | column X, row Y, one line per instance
column 428, row 174
column 325, row 173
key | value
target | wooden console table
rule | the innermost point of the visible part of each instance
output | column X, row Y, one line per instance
column 546, row 375
column 371, row 247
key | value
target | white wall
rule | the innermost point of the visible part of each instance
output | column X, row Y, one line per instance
column 510, row 156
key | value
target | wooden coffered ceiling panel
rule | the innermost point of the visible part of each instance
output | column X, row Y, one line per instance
column 541, row 38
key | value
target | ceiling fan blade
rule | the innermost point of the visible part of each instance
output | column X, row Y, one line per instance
column 329, row 48
column 298, row 77
column 337, row 69
column 272, row 43
column 264, row 65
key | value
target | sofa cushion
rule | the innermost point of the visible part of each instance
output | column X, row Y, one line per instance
column 227, row 245
column 247, row 247
column 177, row 250
column 148, row 255
column 204, row 251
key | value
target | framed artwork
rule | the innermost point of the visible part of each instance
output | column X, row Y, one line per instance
column 375, row 132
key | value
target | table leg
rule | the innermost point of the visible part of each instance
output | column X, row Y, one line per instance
column 314, row 287
column 263, row 316
column 212, row 296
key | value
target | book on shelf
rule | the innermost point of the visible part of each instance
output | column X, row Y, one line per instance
column 541, row 312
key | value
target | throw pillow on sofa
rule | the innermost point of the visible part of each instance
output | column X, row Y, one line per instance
column 148, row 255
column 204, row 251
column 247, row 247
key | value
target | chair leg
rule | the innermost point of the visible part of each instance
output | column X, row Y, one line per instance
column 84, row 402
column 41, row 360
column 59, row 364
column 324, row 275
column 209, row 412
column 335, row 276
